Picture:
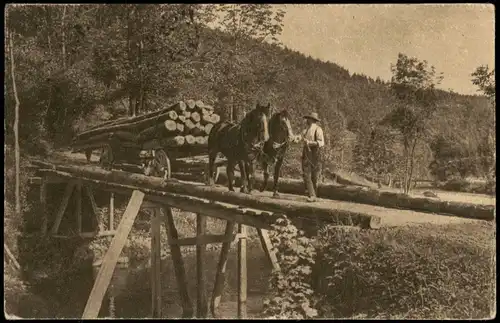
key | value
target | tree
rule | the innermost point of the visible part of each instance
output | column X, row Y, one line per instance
column 16, row 126
column 153, row 45
column 246, row 26
column 375, row 154
column 413, row 85
column 485, row 80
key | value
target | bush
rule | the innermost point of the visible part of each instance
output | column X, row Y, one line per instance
column 407, row 272
column 19, row 299
column 463, row 185
column 292, row 296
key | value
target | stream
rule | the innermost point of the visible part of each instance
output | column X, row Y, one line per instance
column 130, row 288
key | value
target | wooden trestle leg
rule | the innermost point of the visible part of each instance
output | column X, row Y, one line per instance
column 220, row 275
column 111, row 257
column 242, row 271
column 156, row 263
column 178, row 263
column 265, row 241
column 201, row 300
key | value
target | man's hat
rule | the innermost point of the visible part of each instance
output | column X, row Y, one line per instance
column 313, row 116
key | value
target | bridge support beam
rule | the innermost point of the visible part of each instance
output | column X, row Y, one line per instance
column 178, row 262
column 201, row 230
column 62, row 207
column 78, row 208
column 111, row 258
column 242, row 271
column 43, row 206
column 265, row 241
column 156, row 263
column 220, row 275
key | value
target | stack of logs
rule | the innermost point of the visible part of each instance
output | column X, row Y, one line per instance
column 182, row 124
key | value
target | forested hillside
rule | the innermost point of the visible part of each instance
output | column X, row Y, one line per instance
column 76, row 66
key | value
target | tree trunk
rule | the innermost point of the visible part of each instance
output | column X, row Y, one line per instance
column 412, row 157
column 141, row 79
column 63, row 36
column 16, row 129
column 406, row 159
column 158, row 186
column 48, row 19
column 132, row 100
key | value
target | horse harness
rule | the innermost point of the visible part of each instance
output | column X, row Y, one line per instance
column 275, row 146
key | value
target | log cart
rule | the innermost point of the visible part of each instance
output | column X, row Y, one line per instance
column 161, row 143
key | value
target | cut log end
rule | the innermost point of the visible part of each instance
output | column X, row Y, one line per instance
column 199, row 104
column 176, row 141
column 214, row 118
column 208, row 127
column 189, row 124
column 205, row 112
column 201, row 140
column 170, row 125
column 191, row 104
column 195, row 116
column 182, row 106
column 190, row 140
column 172, row 115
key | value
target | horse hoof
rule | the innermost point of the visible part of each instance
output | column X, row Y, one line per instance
column 276, row 194
column 246, row 191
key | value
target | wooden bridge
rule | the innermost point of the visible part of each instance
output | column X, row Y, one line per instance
column 159, row 197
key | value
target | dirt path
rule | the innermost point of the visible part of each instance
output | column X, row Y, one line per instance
column 389, row 216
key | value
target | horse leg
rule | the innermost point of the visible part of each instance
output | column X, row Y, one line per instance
column 265, row 166
column 244, row 177
column 276, row 177
column 250, row 175
column 211, row 167
column 230, row 174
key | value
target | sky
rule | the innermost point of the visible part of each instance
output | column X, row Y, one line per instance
column 366, row 38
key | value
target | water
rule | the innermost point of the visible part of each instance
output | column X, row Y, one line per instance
column 131, row 288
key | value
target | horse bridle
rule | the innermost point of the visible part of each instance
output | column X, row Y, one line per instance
column 257, row 148
column 287, row 140
column 276, row 145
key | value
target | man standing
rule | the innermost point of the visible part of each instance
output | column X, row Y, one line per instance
column 313, row 140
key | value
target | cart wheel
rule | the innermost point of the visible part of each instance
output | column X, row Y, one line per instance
column 163, row 161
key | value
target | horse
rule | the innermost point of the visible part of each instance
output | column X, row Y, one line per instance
column 241, row 144
column 280, row 135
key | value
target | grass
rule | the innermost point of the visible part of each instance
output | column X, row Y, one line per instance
column 417, row 272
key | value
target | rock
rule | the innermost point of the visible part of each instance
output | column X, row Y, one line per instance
column 430, row 194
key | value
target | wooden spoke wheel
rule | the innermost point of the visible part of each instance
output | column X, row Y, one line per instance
column 163, row 163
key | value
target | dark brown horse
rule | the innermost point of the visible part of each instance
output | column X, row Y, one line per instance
column 241, row 144
column 280, row 135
